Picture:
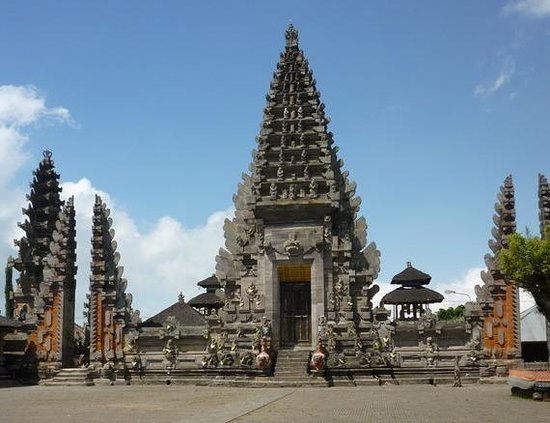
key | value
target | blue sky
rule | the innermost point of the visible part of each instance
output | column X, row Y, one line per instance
column 432, row 104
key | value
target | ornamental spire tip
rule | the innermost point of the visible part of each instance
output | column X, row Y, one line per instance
column 291, row 36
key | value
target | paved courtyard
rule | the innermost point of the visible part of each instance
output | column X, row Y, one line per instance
column 411, row 403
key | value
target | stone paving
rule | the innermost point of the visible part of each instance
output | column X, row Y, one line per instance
column 411, row 403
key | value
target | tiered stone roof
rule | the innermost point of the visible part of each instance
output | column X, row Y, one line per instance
column 42, row 213
column 544, row 203
column 110, row 307
column 208, row 299
column 498, row 296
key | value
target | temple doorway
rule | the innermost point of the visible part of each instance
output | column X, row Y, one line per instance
column 295, row 290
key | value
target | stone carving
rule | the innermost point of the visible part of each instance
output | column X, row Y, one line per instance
column 110, row 314
column 337, row 294
column 265, row 329
column 318, row 359
column 263, row 359
column 498, row 297
column 313, row 189
column 273, row 191
column 292, row 246
column 45, row 289
column 170, row 352
column 544, row 203
column 299, row 164
column 55, row 306
column 383, row 349
column 322, row 328
column 42, row 214
column 431, row 352
column 292, row 192
column 457, row 379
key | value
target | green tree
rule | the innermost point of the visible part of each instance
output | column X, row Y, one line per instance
column 451, row 313
column 8, row 292
column 527, row 262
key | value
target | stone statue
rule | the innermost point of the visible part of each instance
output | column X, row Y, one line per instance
column 170, row 351
column 263, row 359
column 313, row 189
column 322, row 328
column 273, row 191
column 319, row 357
column 457, row 379
column 431, row 352
column 265, row 329
column 292, row 192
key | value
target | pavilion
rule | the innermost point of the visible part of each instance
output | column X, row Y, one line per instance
column 411, row 299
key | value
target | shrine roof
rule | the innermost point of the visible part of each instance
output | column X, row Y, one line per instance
column 206, row 299
column 411, row 277
column 414, row 295
column 210, row 282
column 185, row 315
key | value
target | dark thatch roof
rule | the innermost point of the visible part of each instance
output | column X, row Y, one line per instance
column 210, row 282
column 206, row 299
column 185, row 315
column 411, row 277
column 417, row 295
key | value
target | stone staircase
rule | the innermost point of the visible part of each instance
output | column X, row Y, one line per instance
column 70, row 377
column 290, row 369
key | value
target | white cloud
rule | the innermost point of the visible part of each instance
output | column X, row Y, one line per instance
column 505, row 75
column 533, row 8
column 158, row 263
column 465, row 284
column 25, row 105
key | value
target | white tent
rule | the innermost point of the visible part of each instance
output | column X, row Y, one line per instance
column 533, row 325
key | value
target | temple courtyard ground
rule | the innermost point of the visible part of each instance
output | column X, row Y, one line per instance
column 410, row 403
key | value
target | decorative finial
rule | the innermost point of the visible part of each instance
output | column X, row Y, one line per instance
column 47, row 154
column 409, row 264
column 291, row 35
column 181, row 298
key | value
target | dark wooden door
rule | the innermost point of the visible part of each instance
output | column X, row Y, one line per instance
column 295, row 313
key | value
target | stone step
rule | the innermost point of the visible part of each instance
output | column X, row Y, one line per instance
column 51, row 382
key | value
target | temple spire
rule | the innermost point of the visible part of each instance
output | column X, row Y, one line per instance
column 44, row 205
column 544, row 204
column 291, row 36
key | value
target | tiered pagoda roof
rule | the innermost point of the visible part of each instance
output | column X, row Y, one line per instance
column 295, row 163
column 208, row 299
column 411, row 290
column 42, row 213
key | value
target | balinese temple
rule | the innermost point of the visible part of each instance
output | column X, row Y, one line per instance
column 411, row 299
column 296, row 250
column 208, row 302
